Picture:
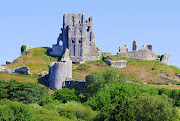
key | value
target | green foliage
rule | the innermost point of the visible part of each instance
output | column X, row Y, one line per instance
column 116, row 57
column 174, row 94
column 15, row 111
column 76, row 86
column 156, row 108
column 45, row 100
column 97, row 81
column 66, row 94
column 159, row 56
column 73, row 110
column 22, row 92
column 49, row 115
column 82, row 67
column 23, row 48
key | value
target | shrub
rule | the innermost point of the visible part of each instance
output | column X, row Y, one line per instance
column 66, row 94
column 23, row 48
column 157, row 108
column 23, row 92
column 15, row 111
column 75, row 110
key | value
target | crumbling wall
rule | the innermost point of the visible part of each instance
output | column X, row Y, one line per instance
column 60, row 72
column 123, row 49
column 145, row 54
column 165, row 58
column 57, row 50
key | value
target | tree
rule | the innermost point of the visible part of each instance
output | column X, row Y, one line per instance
column 66, row 94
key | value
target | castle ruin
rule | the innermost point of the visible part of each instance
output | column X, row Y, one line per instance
column 78, row 45
column 78, row 36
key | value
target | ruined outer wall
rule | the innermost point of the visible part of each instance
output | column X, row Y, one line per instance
column 140, row 54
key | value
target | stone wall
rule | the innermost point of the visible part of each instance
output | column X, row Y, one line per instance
column 59, row 72
column 117, row 64
column 145, row 54
column 57, row 50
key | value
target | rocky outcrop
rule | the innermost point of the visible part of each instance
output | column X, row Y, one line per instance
column 22, row 70
column 44, row 73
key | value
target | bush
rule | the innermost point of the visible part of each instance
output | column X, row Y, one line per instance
column 97, row 81
column 66, row 94
column 23, row 48
column 75, row 110
column 15, row 111
column 23, row 92
column 157, row 108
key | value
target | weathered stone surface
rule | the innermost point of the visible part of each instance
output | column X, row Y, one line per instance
column 78, row 36
column 44, row 73
column 6, row 70
column 57, row 50
column 60, row 72
column 117, row 64
column 147, row 47
column 165, row 58
column 145, row 54
column 140, row 54
column 8, row 62
column 135, row 46
column 123, row 49
column 22, row 70
column 2, row 68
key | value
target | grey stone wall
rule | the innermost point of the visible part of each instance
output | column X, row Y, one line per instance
column 140, row 54
column 165, row 58
column 59, row 72
column 117, row 64
column 57, row 50
column 145, row 54
column 135, row 46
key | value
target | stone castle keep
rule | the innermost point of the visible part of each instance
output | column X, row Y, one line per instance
column 78, row 45
column 78, row 36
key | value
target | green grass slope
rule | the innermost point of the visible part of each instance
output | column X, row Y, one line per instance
column 146, row 71
column 37, row 59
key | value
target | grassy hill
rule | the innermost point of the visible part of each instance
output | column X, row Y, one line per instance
column 146, row 71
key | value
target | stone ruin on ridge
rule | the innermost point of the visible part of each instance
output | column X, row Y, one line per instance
column 78, row 36
column 78, row 45
column 146, row 53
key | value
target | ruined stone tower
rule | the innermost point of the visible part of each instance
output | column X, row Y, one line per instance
column 78, row 36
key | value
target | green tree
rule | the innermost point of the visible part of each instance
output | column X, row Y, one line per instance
column 66, row 94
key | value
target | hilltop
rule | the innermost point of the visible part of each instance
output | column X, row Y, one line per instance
column 146, row 71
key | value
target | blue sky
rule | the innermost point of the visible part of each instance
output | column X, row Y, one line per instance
column 115, row 23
